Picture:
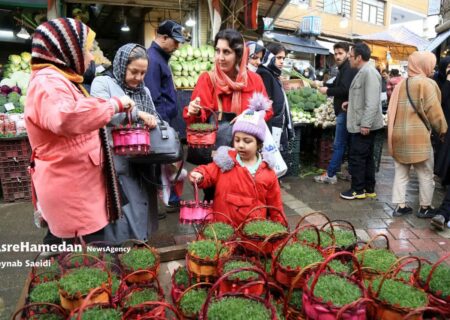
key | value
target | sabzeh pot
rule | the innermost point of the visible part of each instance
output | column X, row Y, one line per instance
column 238, row 305
column 435, row 279
column 45, row 292
column 375, row 261
column 140, row 257
column 330, row 295
column 180, row 280
column 265, row 234
column 202, row 258
column 76, row 284
column 344, row 234
column 40, row 311
column 190, row 302
column 291, row 257
column 395, row 298
column 217, row 230
column 96, row 311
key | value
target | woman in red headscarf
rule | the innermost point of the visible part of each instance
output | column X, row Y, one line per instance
column 229, row 86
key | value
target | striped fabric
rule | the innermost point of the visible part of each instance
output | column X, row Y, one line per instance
column 60, row 42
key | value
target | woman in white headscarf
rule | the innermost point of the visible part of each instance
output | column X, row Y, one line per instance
column 255, row 55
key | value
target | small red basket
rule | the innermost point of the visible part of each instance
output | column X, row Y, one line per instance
column 203, row 138
column 131, row 140
column 195, row 211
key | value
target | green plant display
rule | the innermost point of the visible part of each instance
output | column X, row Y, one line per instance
column 336, row 290
column 242, row 275
column 140, row 296
column 80, row 258
column 296, row 255
column 440, row 281
column 206, row 249
column 49, row 273
column 191, row 303
column 115, row 283
column 279, row 306
column 82, row 280
column 310, row 236
column 296, row 300
column 202, row 126
column 344, row 238
column 263, row 228
column 339, row 267
column 182, row 277
column 45, row 292
column 236, row 308
column 138, row 259
column 398, row 293
column 222, row 231
column 378, row 259
column 100, row 314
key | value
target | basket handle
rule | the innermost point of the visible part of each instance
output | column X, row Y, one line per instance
column 196, row 192
column 145, row 244
column 310, row 226
column 164, row 304
column 224, row 277
column 199, row 284
column 423, row 310
column 434, row 267
column 340, row 222
column 241, row 243
column 213, row 213
column 79, row 311
column 367, row 245
column 340, row 314
column 123, row 284
column 312, row 214
column 332, row 257
column 50, row 305
column 294, row 282
column 68, row 257
column 248, row 218
column 395, row 268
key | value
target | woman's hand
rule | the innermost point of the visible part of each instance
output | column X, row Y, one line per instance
column 195, row 177
column 149, row 119
column 127, row 103
column 194, row 107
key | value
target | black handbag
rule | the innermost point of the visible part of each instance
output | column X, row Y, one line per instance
column 165, row 145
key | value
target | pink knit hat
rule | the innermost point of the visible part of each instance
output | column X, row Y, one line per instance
column 251, row 121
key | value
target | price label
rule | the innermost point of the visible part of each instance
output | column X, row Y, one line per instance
column 9, row 106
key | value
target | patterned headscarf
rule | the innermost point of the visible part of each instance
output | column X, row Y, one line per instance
column 268, row 62
column 61, row 43
column 253, row 48
column 140, row 95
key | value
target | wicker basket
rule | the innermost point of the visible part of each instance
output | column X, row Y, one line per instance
column 203, row 138
column 195, row 211
column 131, row 140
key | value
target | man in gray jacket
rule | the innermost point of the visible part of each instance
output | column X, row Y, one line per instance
column 364, row 118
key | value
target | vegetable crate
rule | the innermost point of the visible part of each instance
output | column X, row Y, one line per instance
column 13, row 168
column 15, row 148
column 16, row 189
column 292, row 84
column 324, row 152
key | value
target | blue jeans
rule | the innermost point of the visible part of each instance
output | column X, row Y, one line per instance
column 339, row 145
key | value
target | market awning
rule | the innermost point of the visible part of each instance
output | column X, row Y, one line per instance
column 438, row 40
column 400, row 42
column 295, row 43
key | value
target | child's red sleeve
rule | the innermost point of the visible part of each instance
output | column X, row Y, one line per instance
column 210, row 174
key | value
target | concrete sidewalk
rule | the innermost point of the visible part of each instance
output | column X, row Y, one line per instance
column 407, row 235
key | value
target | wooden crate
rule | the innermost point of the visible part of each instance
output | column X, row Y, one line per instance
column 293, row 84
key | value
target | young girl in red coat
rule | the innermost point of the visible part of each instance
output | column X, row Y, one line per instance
column 243, row 176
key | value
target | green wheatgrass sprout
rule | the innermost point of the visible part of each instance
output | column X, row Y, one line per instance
column 339, row 267
column 310, row 236
column 263, row 228
column 80, row 258
column 242, row 275
column 182, row 277
column 49, row 273
column 296, row 255
column 45, row 292
column 115, row 283
column 378, row 259
column 206, row 249
column 344, row 238
column 237, row 308
column 279, row 308
column 440, row 280
column 138, row 259
column 192, row 302
column 398, row 293
column 296, row 300
column 336, row 290
column 46, row 316
column 141, row 296
column 223, row 231
column 202, row 126
column 403, row 275
column 100, row 314
column 82, row 280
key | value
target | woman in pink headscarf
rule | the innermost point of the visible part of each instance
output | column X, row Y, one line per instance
column 415, row 109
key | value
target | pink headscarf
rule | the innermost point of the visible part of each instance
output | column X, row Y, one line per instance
column 420, row 63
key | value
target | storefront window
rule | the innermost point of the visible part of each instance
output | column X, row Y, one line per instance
column 332, row 6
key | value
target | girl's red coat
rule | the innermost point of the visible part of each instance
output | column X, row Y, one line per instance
column 237, row 191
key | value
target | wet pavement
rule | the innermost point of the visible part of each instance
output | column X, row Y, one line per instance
column 407, row 235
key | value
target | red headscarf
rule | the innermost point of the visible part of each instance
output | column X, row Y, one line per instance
column 223, row 83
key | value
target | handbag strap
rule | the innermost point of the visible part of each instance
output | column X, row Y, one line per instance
column 425, row 122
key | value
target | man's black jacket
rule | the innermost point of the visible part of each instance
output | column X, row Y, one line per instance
column 340, row 87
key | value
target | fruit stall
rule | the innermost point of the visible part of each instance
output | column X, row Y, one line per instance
column 258, row 270
column 15, row 150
